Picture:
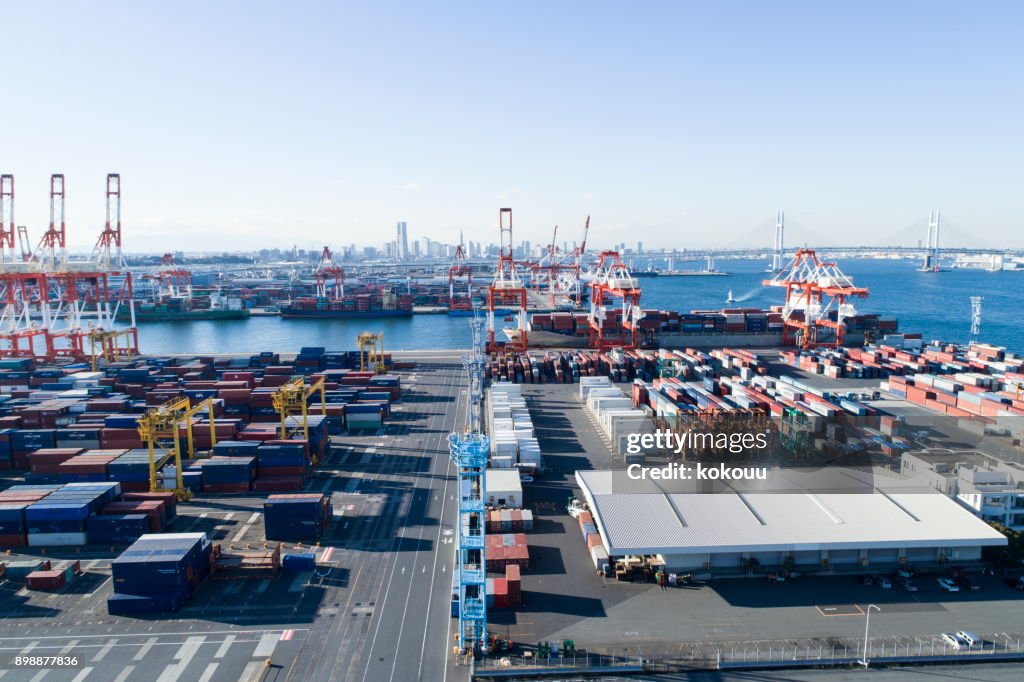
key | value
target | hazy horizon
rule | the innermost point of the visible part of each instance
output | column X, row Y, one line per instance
column 245, row 126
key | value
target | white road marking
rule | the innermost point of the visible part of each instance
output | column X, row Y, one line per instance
column 144, row 649
column 82, row 674
column 70, row 645
column 125, row 635
column 254, row 518
column 266, row 646
column 104, row 650
column 251, row 670
column 29, row 647
column 224, row 646
column 125, row 674
column 185, row 654
column 208, row 673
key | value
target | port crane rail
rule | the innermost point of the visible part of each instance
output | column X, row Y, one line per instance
column 613, row 282
column 814, row 290
column 160, row 429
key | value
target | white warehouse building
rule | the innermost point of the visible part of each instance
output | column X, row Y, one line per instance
column 722, row 532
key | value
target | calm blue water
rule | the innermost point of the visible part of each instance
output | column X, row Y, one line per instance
column 935, row 304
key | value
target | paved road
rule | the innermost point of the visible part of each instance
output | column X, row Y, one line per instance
column 376, row 609
column 391, row 622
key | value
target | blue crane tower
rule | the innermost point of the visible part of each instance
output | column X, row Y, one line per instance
column 469, row 452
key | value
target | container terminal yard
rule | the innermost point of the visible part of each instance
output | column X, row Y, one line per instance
column 355, row 514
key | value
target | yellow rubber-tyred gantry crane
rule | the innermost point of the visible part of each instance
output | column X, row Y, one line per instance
column 159, row 429
column 110, row 346
column 292, row 404
column 371, row 352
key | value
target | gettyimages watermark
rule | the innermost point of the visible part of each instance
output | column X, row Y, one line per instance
column 664, row 440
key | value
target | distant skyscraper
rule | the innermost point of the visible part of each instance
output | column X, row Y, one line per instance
column 402, row 242
column 639, row 247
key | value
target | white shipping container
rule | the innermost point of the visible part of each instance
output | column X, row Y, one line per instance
column 602, row 403
column 56, row 539
column 599, row 555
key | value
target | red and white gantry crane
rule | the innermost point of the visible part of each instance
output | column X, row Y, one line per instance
column 507, row 292
column 330, row 277
column 818, row 297
column 613, row 284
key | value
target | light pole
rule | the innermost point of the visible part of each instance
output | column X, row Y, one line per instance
column 867, row 624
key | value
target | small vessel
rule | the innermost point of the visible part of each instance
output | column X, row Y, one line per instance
column 729, row 298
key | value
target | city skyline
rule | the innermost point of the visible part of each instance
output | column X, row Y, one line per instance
column 686, row 125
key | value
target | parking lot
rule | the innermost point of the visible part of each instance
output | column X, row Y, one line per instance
column 565, row 599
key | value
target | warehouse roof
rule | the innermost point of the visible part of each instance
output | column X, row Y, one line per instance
column 647, row 520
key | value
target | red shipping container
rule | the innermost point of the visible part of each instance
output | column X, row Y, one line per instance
column 12, row 540
column 127, row 439
column 45, row 580
column 153, row 509
column 47, row 460
column 226, row 488
column 269, row 484
column 290, row 471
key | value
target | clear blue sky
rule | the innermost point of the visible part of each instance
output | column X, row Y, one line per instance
column 238, row 125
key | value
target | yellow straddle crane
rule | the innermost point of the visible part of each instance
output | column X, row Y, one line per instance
column 292, row 402
column 109, row 346
column 371, row 352
column 159, row 429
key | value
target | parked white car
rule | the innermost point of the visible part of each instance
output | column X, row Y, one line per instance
column 948, row 585
column 972, row 639
column 952, row 641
